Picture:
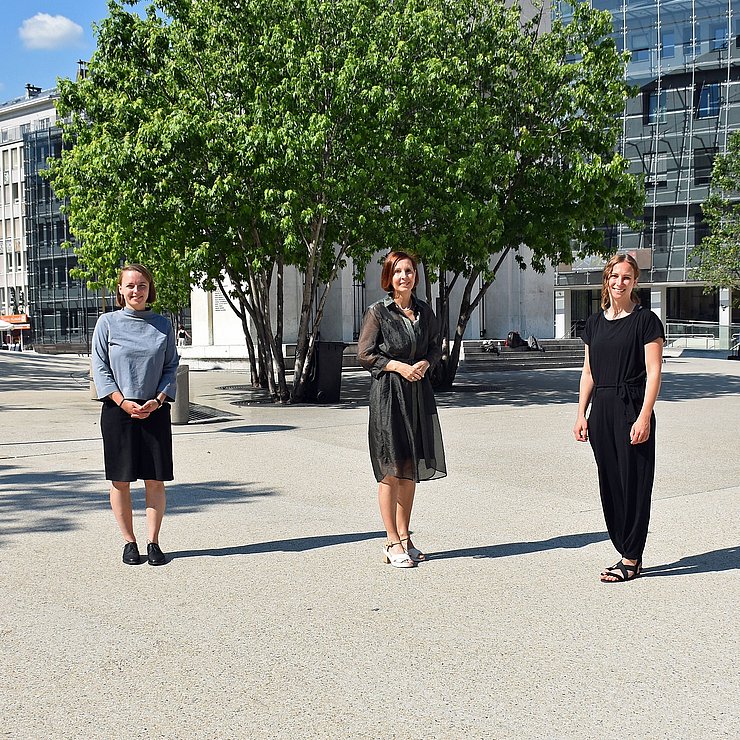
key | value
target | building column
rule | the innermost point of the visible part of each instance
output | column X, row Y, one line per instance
column 472, row 330
column 563, row 318
column 659, row 301
column 725, row 318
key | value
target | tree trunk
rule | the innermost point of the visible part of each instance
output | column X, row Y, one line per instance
column 275, row 366
column 307, row 330
column 241, row 312
column 445, row 376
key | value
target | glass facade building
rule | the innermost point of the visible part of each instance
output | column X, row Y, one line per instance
column 63, row 311
column 685, row 66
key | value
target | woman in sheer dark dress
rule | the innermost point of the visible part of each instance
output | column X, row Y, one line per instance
column 399, row 342
column 621, row 379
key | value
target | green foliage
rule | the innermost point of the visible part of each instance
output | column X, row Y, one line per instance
column 508, row 135
column 235, row 137
column 504, row 136
column 718, row 255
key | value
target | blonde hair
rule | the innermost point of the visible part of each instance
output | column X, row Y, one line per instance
column 615, row 260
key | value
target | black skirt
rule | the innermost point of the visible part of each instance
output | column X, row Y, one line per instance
column 136, row 449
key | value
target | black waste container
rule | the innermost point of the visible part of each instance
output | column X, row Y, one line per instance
column 324, row 382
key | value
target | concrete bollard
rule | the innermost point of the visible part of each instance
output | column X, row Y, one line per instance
column 181, row 406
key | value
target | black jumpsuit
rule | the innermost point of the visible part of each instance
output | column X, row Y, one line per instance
column 617, row 358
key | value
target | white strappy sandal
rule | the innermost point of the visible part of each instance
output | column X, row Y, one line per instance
column 413, row 552
column 397, row 559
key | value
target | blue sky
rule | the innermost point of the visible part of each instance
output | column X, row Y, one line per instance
column 43, row 39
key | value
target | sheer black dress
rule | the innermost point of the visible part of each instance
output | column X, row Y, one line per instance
column 404, row 432
column 616, row 352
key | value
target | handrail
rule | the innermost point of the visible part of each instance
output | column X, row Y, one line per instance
column 673, row 338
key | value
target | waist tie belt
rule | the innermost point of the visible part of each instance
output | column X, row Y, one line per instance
column 631, row 393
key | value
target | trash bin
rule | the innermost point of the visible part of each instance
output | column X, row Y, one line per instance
column 181, row 407
column 324, row 382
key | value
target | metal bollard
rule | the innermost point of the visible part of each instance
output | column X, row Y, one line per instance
column 181, row 406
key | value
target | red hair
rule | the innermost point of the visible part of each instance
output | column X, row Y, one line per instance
column 389, row 265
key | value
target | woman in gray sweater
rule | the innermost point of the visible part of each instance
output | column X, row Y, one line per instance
column 134, row 364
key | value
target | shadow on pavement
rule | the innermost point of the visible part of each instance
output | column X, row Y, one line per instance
column 706, row 562
column 28, row 372
column 297, row 544
column 255, row 428
column 542, row 387
column 504, row 550
column 52, row 501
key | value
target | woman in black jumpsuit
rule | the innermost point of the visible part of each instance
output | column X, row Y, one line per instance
column 398, row 343
column 621, row 380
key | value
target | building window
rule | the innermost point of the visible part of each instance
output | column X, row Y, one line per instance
column 668, row 44
column 611, row 238
column 701, row 229
column 708, row 100
column 640, row 47
column 703, row 163
column 719, row 38
column 565, row 12
column 690, row 42
column 654, row 107
column 657, row 170
column 656, row 233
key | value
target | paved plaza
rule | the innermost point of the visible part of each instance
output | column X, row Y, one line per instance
column 275, row 617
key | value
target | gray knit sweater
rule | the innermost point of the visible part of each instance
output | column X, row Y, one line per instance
column 134, row 353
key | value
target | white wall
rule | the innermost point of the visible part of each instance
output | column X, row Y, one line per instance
column 518, row 300
column 521, row 300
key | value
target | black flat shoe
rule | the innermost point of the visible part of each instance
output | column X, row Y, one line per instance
column 131, row 554
column 154, row 555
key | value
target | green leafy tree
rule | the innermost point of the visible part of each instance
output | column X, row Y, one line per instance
column 233, row 138
column 718, row 254
column 508, row 139
column 221, row 137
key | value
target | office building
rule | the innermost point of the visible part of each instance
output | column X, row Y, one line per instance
column 685, row 66
column 36, row 289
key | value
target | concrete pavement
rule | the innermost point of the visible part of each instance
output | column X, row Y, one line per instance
column 276, row 618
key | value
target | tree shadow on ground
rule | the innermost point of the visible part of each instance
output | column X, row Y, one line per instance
column 258, row 428
column 540, row 388
column 57, row 501
column 296, row 544
column 505, row 550
column 21, row 372
column 706, row 562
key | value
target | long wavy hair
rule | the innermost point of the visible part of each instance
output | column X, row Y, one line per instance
column 615, row 260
